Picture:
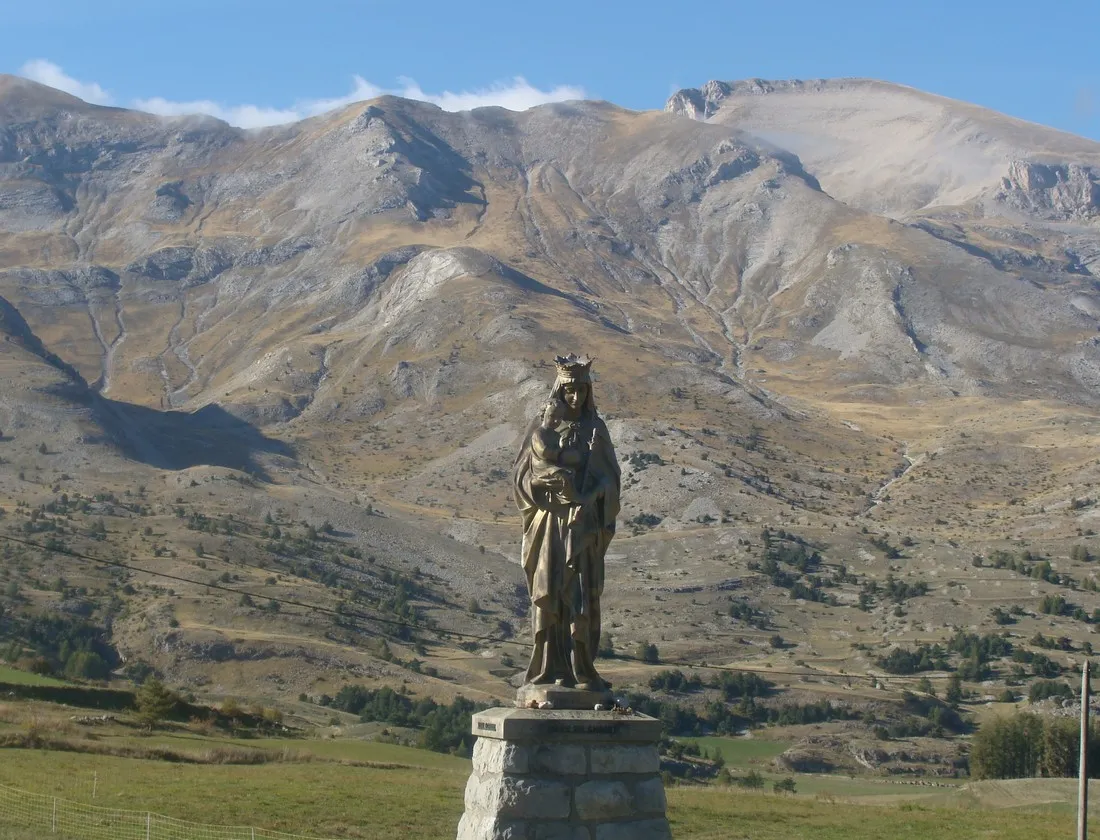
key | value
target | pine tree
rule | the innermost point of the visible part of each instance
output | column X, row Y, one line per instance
column 954, row 693
column 154, row 702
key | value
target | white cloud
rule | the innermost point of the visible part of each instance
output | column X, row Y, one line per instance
column 47, row 73
column 257, row 116
column 244, row 116
column 515, row 95
column 361, row 90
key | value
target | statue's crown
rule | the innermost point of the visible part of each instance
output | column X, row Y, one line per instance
column 574, row 367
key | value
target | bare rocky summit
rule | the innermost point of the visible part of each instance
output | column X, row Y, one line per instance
column 892, row 149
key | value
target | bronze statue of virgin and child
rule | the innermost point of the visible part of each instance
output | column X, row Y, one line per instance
column 566, row 484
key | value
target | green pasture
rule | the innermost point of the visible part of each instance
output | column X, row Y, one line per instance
column 324, row 799
column 732, row 814
column 746, row 753
column 16, row 677
column 329, row 799
column 348, row 788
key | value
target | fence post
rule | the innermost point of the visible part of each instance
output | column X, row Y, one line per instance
column 53, row 821
column 1083, row 779
column 148, row 825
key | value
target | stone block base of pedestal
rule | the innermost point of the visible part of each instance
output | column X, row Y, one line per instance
column 564, row 775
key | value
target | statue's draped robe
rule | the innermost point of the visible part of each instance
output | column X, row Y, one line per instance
column 563, row 552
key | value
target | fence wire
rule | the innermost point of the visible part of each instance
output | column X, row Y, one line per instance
column 51, row 815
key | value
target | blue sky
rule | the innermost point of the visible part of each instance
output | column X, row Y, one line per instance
column 255, row 62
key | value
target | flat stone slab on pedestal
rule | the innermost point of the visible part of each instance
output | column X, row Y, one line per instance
column 562, row 697
column 555, row 724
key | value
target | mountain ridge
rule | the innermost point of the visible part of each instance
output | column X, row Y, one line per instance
column 350, row 319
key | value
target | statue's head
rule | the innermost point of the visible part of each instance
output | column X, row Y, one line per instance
column 575, row 395
column 573, row 386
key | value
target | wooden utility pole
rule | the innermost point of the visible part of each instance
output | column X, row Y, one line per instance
column 1083, row 778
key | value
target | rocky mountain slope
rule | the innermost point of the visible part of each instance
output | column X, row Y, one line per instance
column 844, row 308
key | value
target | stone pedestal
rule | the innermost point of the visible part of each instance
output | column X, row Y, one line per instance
column 564, row 775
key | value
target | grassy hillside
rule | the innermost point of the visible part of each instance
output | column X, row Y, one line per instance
column 419, row 793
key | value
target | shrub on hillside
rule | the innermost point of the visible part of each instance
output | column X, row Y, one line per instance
column 647, row 652
column 1042, row 689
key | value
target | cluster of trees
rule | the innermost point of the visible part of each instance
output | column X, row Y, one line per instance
column 1025, row 745
column 975, row 653
column 733, row 684
column 197, row 521
column 1058, row 605
column 1009, row 616
column 900, row 591
column 443, row 727
column 1026, row 564
column 743, row 611
column 1042, row 689
column 675, row 681
column 1081, row 554
column 59, row 644
column 1049, row 643
column 924, row 658
column 791, row 563
column 784, row 547
column 722, row 718
column 1040, row 665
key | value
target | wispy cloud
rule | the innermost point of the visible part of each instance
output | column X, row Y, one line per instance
column 516, row 94
column 244, row 116
column 47, row 73
column 361, row 89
